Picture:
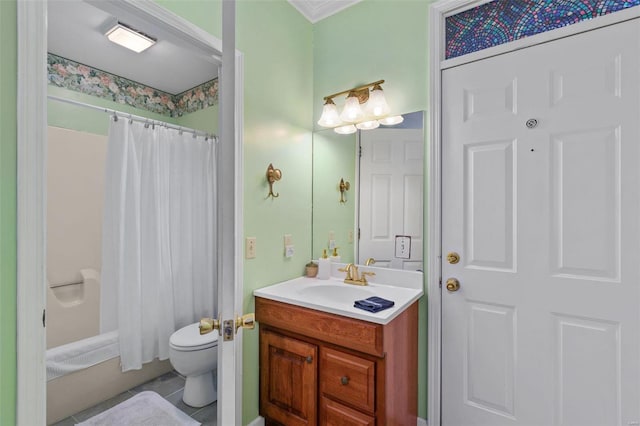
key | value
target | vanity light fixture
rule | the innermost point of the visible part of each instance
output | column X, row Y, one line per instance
column 129, row 38
column 363, row 109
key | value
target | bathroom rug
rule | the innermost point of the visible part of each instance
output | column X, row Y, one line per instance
column 144, row 409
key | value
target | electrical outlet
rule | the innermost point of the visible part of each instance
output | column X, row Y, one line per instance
column 287, row 240
column 288, row 251
column 350, row 237
column 332, row 244
column 250, row 248
column 332, row 235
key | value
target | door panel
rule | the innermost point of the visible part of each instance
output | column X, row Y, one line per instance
column 491, row 357
column 391, row 191
column 489, row 205
column 587, row 354
column 545, row 327
column 588, row 247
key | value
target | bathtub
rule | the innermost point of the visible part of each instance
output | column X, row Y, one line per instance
column 84, row 371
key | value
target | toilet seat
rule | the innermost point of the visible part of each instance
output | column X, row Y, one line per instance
column 188, row 338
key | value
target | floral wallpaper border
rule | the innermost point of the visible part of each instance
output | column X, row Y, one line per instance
column 502, row 21
column 82, row 78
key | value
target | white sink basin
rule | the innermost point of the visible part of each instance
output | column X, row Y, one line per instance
column 335, row 296
column 331, row 293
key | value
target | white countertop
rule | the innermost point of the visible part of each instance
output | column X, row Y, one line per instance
column 336, row 297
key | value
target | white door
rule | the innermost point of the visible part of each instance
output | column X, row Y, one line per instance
column 390, row 211
column 545, row 327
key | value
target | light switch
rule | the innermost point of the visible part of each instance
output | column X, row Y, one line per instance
column 250, row 248
column 403, row 247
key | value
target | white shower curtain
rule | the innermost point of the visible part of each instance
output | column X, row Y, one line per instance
column 158, row 251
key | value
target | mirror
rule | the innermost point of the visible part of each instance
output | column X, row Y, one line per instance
column 380, row 216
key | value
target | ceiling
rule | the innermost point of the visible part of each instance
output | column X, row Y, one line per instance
column 316, row 10
column 76, row 31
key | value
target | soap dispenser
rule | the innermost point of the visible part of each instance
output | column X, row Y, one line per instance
column 324, row 266
column 335, row 257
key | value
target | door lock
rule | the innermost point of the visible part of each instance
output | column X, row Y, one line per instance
column 453, row 285
column 227, row 328
column 453, row 258
column 247, row 321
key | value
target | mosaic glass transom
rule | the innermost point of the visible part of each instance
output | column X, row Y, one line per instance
column 502, row 21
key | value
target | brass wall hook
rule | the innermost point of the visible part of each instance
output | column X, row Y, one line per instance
column 344, row 186
column 273, row 175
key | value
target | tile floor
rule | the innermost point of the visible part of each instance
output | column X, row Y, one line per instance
column 170, row 386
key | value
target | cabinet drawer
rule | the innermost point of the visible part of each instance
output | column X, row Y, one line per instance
column 348, row 378
column 335, row 414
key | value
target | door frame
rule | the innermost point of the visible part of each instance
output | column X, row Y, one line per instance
column 433, row 259
column 31, row 200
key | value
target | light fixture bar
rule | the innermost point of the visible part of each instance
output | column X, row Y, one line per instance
column 355, row 89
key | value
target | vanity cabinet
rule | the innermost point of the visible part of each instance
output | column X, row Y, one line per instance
column 318, row 368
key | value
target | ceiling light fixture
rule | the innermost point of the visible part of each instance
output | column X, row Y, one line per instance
column 363, row 109
column 129, row 38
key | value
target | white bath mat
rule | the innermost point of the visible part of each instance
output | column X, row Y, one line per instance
column 146, row 408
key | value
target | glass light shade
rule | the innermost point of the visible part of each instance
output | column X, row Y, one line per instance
column 377, row 105
column 390, row 121
column 345, row 130
column 368, row 125
column 330, row 116
column 129, row 38
column 352, row 111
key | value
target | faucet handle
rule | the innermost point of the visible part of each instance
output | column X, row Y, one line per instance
column 364, row 275
column 347, row 269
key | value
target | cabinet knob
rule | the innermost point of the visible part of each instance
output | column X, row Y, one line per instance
column 344, row 380
column 309, row 359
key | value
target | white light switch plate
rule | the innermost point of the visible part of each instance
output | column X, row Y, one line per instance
column 250, row 248
column 403, row 247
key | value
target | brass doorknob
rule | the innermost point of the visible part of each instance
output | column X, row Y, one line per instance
column 453, row 284
column 453, row 258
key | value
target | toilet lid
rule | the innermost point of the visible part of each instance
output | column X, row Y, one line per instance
column 189, row 338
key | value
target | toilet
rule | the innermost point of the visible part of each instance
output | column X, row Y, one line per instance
column 195, row 356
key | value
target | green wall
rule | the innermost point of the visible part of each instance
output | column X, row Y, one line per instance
column 334, row 158
column 373, row 40
column 276, row 41
column 8, row 72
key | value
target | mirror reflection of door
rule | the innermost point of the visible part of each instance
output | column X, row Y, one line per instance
column 391, row 195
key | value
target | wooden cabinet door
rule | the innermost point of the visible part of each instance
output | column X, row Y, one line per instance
column 288, row 379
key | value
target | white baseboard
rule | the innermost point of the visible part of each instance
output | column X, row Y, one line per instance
column 259, row 421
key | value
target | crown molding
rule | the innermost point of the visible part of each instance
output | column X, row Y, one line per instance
column 316, row 10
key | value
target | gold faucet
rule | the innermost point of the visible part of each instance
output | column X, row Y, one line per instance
column 352, row 275
column 369, row 261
